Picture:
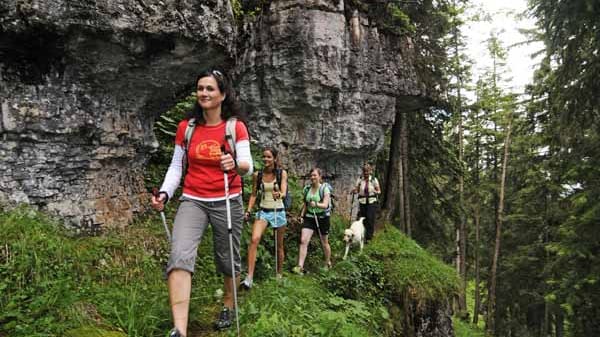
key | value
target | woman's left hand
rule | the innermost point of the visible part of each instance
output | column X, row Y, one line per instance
column 227, row 162
column 313, row 204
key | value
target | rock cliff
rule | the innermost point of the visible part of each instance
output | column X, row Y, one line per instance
column 323, row 84
column 81, row 83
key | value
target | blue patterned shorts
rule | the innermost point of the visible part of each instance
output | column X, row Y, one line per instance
column 269, row 216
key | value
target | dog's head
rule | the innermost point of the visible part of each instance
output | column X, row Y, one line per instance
column 348, row 234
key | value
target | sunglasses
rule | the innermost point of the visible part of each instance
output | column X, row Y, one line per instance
column 217, row 73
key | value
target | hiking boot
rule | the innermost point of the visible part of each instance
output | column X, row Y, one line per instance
column 175, row 333
column 246, row 283
column 224, row 320
column 298, row 270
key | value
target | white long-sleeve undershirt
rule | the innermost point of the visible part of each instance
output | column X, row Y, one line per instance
column 175, row 171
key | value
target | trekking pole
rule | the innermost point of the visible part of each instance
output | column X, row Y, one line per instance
column 351, row 206
column 156, row 194
column 230, row 230
column 275, row 189
column 318, row 230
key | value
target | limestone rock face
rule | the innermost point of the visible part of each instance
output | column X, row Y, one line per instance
column 81, row 83
column 323, row 84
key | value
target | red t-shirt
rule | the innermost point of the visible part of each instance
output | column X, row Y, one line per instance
column 204, row 178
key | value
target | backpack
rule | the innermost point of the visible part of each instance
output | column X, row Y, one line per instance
column 189, row 130
column 287, row 199
column 331, row 205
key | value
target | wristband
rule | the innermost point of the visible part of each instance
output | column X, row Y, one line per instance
column 165, row 194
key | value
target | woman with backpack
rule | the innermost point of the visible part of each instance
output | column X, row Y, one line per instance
column 269, row 186
column 315, row 217
column 215, row 123
column 368, row 189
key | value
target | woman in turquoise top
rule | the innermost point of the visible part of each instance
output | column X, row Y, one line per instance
column 314, row 218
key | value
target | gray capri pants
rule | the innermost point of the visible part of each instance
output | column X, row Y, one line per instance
column 192, row 218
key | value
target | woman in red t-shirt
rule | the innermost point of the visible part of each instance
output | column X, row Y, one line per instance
column 203, row 197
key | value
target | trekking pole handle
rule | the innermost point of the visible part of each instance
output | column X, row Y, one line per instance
column 156, row 194
column 224, row 152
column 276, row 189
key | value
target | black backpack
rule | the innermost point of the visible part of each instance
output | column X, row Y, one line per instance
column 287, row 199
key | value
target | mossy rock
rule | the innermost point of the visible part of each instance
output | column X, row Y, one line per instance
column 93, row 332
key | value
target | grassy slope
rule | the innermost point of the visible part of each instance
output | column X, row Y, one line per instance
column 54, row 284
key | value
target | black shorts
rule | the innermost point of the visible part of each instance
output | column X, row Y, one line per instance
column 309, row 222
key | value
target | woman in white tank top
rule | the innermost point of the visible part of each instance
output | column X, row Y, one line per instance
column 269, row 190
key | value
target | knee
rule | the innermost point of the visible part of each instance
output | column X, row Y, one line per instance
column 255, row 240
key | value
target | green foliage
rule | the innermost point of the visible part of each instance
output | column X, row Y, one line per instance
column 164, row 130
column 301, row 306
column 463, row 329
column 53, row 283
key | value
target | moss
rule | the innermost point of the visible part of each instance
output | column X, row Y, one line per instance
column 410, row 268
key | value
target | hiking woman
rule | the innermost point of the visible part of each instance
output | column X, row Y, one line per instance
column 314, row 218
column 203, row 197
column 269, row 185
column 368, row 189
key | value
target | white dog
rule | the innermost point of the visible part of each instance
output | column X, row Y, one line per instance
column 355, row 235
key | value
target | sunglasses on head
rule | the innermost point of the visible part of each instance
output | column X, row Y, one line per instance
column 217, row 73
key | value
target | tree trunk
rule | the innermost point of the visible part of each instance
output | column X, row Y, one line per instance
column 559, row 323
column 476, row 308
column 393, row 207
column 461, row 233
column 404, row 173
column 490, row 326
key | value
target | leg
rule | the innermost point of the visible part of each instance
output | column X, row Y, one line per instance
column 364, row 212
column 347, row 249
column 218, row 219
column 370, row 218
column 280, row 250
column 326, row 249
column 180, row 287
column 258, row 229
column 228, row 286
column 190, row 223
column 304, row 240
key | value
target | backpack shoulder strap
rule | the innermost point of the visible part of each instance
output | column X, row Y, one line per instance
column 305, row 192
column 189, row 131
column 230, row 135
column 187, row 137
column 278, row 173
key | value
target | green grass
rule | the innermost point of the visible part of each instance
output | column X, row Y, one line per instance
column 53, row 283
column 464, row 329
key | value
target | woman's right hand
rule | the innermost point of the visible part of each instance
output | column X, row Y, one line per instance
column 158, row 201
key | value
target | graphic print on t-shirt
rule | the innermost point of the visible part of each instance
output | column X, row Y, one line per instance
column 207, row 150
